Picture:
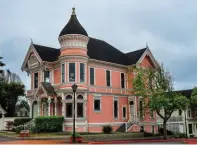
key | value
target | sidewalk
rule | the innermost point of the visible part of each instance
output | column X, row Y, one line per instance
column 186, row 141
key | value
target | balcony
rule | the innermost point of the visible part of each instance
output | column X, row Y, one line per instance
column 31, row 92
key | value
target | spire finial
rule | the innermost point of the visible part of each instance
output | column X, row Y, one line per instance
column 31, row 40
column 73, row 11
column 147, row 45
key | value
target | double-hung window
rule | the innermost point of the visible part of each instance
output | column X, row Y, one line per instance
column 72, row 72
column 108, row 78
column 115, row 107
column 36, row 80
column 63, row 73
column 122, row 80
column 47, row 76
column 91, row 74
column 97, row 104
column 82, row 72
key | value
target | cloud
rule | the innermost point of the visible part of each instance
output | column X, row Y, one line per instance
column 169, row 28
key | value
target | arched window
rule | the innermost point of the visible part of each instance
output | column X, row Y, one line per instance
column 68, row 97
column 80, row 97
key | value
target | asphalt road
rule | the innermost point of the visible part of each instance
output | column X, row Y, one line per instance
column 2, row 139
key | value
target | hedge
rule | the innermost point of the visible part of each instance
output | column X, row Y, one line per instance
column 21, row 121
column 49, row 123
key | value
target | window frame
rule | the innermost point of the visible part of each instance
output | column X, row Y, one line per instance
column 35, row 81
column 44, row 76
column 92, row 76
column 100, row 103
column 107, row 78
column 63, row 80
column 68, row 117
column 81, row 73
column 116, row 99
column 122, row 82
column 124, row 107
column 74, row 72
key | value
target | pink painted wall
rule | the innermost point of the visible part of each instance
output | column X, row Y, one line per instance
column 106, row 110
column 57, row 76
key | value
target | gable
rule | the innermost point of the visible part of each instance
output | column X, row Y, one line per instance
column 147, row 60
column 32, row 59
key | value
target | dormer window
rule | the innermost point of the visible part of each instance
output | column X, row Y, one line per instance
column 72, row 72
column 47, row 76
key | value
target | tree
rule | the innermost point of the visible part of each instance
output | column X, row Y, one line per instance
column 25, row 104
column 10, row 88
column 193, row 98
column 1, row 65
column 156, row 88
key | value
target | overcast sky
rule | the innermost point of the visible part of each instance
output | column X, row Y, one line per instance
column 168, row 26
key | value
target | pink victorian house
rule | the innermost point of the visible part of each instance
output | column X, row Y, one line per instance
column 104, row 94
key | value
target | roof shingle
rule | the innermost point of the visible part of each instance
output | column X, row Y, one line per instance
column 97, row 49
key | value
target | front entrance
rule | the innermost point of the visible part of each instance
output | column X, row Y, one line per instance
column 132, row 111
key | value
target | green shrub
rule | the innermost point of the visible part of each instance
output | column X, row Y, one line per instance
column 9, row 125
column 49, row 123
column 179, row 135
column 19, row 128
column 161, row 131
column 21, row 121
column 107, row 129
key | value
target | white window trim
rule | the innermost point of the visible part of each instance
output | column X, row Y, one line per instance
column 34, row 82
column 116, row 99
column 106, row 78
column 90, row 76
column 75, row 72
column 84, row 73
column 64, row 73
column 124, row 118
column 82, row 101
column 50, row 76
column 67, row 102
column 121, row 80
column 97, row 98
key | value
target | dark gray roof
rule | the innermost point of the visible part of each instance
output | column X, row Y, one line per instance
column 73, row 27
column 97, row 49
column 48, row 88
column 186, row 93
column 47, row 53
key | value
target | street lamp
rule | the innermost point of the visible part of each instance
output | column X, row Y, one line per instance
column 74, row 88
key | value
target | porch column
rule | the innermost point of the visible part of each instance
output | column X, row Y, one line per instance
column 55, row 106
column 49, row 105
column 30, row 115
column 39, row 106
column 3, row 121
column 63, row 105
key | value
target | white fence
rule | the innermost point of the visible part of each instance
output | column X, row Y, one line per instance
column 5, row 120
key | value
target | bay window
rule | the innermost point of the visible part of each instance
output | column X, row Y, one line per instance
column 47, row 76
column 82, row 72
column 72, row 72
column 63, row 73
